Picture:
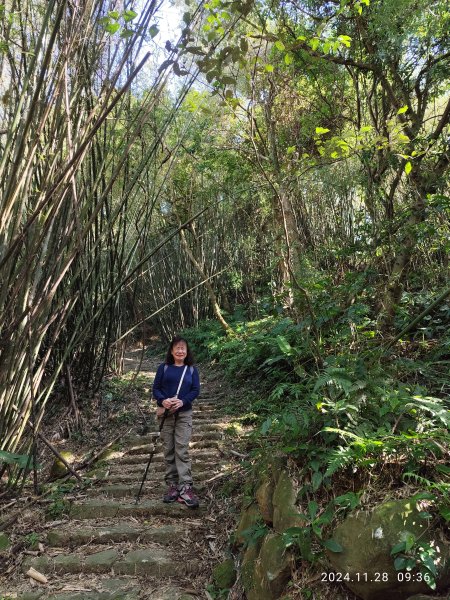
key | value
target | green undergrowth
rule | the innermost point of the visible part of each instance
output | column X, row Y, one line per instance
column 350, row 415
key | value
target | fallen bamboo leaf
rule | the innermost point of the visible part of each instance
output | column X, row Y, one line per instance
column 36, row 575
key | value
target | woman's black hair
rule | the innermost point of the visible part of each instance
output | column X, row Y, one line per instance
column 189, row 359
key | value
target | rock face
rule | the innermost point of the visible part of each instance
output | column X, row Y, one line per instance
column 249, row 516
column 272, row 569
column 264, row 495
column 224, row 574
column 285, row 513
column 266, row 563
column 367, row 540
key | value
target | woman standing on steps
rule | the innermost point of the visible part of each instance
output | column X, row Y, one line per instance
column 176, row 386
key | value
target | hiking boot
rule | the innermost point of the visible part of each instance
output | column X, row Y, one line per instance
column 187, row 496
column 172, row 494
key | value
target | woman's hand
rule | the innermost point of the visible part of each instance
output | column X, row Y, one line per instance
column 176, row 404
column 172, row 404
column 168, row 402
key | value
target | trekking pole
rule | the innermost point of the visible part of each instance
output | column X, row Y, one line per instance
column 166, row 412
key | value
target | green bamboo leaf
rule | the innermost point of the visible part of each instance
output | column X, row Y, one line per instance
column 408, row 167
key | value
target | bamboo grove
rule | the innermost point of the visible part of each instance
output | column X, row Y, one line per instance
column 275, row 147
column 74, row 182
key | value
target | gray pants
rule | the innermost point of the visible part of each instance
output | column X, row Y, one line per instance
column 176, row 435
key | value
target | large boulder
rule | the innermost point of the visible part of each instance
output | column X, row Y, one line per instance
column 264, row 497
column 250, row 516
column 224, row 574
column 248, row 567
column 272, row 569
column 367, row 540
column 285, row 512
column 58, row 468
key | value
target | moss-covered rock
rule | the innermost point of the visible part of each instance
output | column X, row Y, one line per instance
column 224, row 574
column 285, row 513
column 58, row 468
column 367, row 540
column 273, row 569
column 248, row 566
column 249, row 516
column 264, row 495
column 276, row 466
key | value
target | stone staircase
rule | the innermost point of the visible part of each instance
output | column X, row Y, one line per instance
column 109, row 547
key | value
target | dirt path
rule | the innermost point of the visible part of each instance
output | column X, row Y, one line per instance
column 108, row 547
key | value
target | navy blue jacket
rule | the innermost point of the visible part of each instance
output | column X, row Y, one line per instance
column 167, row 381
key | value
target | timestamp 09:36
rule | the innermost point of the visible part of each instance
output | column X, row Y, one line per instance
column 376, row 577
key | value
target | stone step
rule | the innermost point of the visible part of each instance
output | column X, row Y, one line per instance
column 72, row 588
column 148, row 438
column 146, row 444
column 208, row 464
column 206, row 412
column 151, row 561
column 204, row 407
column 111, row 589
column 117, row 590
column 207, row 458
column 69, row 536
column 99, row 508
column 123, row 490
column 136, row 476
column 139, row 459
column 206, row 417
column 201, row 443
